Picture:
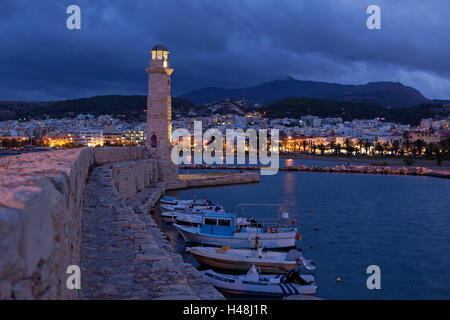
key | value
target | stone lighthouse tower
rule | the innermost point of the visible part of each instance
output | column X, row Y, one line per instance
column 159, row 113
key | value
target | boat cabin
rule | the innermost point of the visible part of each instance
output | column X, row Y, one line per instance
column 221, row 224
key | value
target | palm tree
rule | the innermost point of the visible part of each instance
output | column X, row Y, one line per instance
column 387, row 147
column 304, row 145
column 338, row 148
column 332, row 146
column 348, row 146
column 395, row 147
column 350, row 149
column 379, row 148
column 360, row 144
column 322, row 148
column 419, row 144
column 367, row 145
column 406, row 142
column 440, row 150
column 429, row 149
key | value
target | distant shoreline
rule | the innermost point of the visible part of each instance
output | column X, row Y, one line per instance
column 390, row 161
column 370, row 160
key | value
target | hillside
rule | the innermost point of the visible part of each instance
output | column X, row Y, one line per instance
column 386, row 94
column 133, row 108
column 126, row 107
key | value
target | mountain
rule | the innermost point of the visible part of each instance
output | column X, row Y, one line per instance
column 386, row 94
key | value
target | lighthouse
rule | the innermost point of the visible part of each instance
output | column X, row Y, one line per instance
column 159, row 112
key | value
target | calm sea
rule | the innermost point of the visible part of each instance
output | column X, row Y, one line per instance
column 400, row 223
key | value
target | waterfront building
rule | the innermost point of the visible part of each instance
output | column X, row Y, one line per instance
column 425, row 135
column 112, row 136
column 87, row 137
column 135, row 137
column 53, row 140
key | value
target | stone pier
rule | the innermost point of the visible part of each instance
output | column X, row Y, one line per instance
column 124, row 255
column 90, row 207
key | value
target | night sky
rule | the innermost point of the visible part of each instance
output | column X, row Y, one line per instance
column 228, row 43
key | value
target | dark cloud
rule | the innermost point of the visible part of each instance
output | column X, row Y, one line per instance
column 230, row 43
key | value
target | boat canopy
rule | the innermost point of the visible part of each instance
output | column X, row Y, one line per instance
column 221, row 224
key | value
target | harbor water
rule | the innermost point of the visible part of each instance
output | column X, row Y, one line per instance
column 351, row 221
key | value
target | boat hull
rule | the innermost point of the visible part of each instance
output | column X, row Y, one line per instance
column 239, row 240
column 237, row 285
column 234, row 265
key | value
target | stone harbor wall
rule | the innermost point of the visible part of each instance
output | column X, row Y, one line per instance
column 198, row 180
column 132, row 176
column 41, row 198
column 40, row 218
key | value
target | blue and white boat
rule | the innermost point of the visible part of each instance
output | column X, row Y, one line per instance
column 169, row 200
column 196, row 220
column 221, row 229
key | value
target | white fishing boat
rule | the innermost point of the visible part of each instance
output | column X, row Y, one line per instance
column 196, row 220
column 194, row 208
column 255, row 284
column 222, row 230
column 243, row 259
column 188, row 210
column 166, row 200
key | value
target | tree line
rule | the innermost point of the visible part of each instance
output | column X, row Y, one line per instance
column 418, row 148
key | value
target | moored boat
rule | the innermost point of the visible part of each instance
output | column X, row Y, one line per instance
column 189, row 210
column 169, row 200
column 196, row 220
column 192, row 208
column 172, row 201
column 255, row 284
column 222, row 230
column 243, row 259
